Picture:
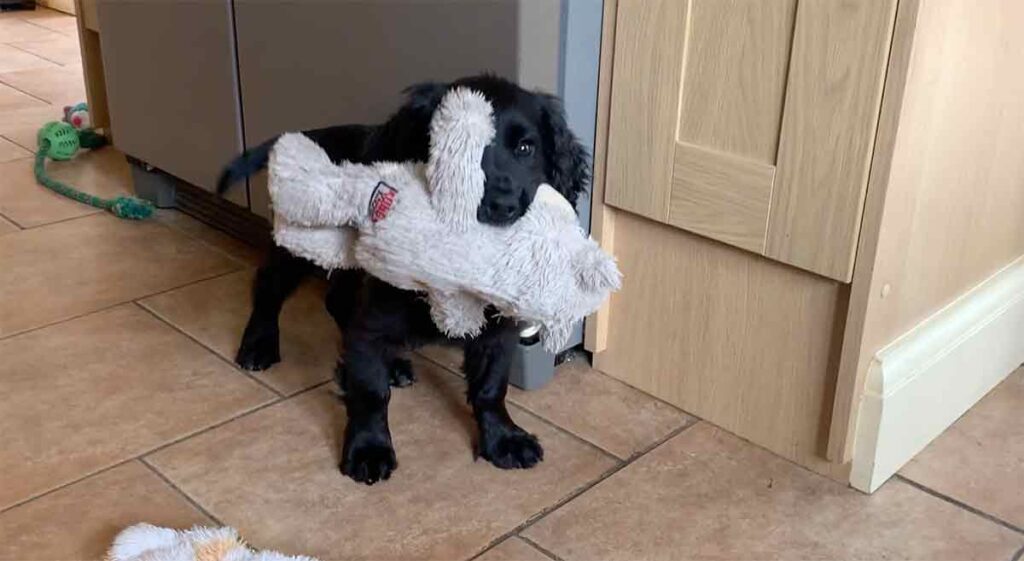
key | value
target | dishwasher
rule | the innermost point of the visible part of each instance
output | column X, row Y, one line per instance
column 223, row 75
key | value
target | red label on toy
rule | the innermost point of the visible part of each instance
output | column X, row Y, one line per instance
column 381, row 201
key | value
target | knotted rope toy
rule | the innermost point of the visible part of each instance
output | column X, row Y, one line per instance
column 60, row 140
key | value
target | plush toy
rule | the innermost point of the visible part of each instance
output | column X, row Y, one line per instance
column 415, row 227
column 145, row 542
column 78, row 116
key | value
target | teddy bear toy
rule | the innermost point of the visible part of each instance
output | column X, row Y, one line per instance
column 414, row 226
column 145, row 542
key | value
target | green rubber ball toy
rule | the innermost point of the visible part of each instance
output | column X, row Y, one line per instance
column 62, row 139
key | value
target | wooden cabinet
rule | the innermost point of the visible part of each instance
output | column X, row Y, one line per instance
column 750, row 122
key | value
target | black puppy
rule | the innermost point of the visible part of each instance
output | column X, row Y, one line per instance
column 532, row 145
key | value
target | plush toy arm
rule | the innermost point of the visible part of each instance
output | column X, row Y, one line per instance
column 329, row 248
column 457, row 314
column 307, row 189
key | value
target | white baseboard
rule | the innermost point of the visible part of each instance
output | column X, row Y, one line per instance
column 924, row 381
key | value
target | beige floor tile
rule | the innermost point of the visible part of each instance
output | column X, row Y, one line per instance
column 448, row 356
column 602, row 410
column 88, row 393
column 15, row 27
column 7, row 227
column 13, row 59
column 67, row 269
column 64, row 51
column 11, row 99
column 10, row 151
column 283, row 490
column 213, row 237
column 21, row 125
column 103, row 173
column 80, row 521
column 215, row 312
column 54, row 21
column 513, row 549
column 60, row 85
column 708, row 495
column 980, row 459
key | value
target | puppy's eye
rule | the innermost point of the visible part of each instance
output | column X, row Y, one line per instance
column 524, row 149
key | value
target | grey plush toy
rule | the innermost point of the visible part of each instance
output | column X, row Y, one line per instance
column 415, row 227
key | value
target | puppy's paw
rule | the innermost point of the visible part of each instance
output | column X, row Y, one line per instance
column 511, row 448
column 401, row 374
column 258, row 353
column 369, row 462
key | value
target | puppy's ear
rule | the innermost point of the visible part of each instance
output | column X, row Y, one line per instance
column 424, row 96
column 568, row 162
column 406, row 134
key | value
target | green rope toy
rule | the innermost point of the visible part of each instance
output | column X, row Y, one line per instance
column 61, row 141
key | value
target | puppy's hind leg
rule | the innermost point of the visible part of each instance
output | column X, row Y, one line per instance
column 275, row 281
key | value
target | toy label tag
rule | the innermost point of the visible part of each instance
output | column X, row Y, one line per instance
column 381, row 201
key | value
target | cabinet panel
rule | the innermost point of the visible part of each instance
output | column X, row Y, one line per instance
column 749, row 122
column 832, row 104
column 734, row 78
column 721, row 196
column 650, row 35
column 171, row 87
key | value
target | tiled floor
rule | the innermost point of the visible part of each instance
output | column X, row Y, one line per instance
column 120, row 404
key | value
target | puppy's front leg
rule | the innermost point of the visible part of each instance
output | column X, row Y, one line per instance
column 488, row 360
column 367, row 454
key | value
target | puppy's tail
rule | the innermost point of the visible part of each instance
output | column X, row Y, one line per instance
column 248, row 163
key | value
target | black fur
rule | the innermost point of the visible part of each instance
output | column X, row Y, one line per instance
column 380, row 323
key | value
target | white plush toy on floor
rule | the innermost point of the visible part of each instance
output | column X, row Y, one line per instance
column 145, row 542
column 415, row 227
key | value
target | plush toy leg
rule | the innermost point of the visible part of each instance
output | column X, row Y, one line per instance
column 329, row 248
column 457, row 314
column 141, row 538
column 554, row 335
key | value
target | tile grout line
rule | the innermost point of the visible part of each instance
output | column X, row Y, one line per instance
column 111, row 306
column 16, row 88
column 161, row 447
column 538, row 417
column 93, row 212
column 957, row 503
column 183, row 494
column 51, row 30
column 209, row 244
column 573, row 495
column 8, row 218
column 156, row 315
column 540, row 548
column 31, row 153
column 39, row 56
column 256, row 409
column 591, row 366
column 568, row 432
column 693, row 419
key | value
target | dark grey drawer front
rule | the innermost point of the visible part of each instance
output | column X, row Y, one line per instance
column 171, row 82
column 308, row 63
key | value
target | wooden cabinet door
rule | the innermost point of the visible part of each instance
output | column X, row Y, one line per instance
column 749, row 121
